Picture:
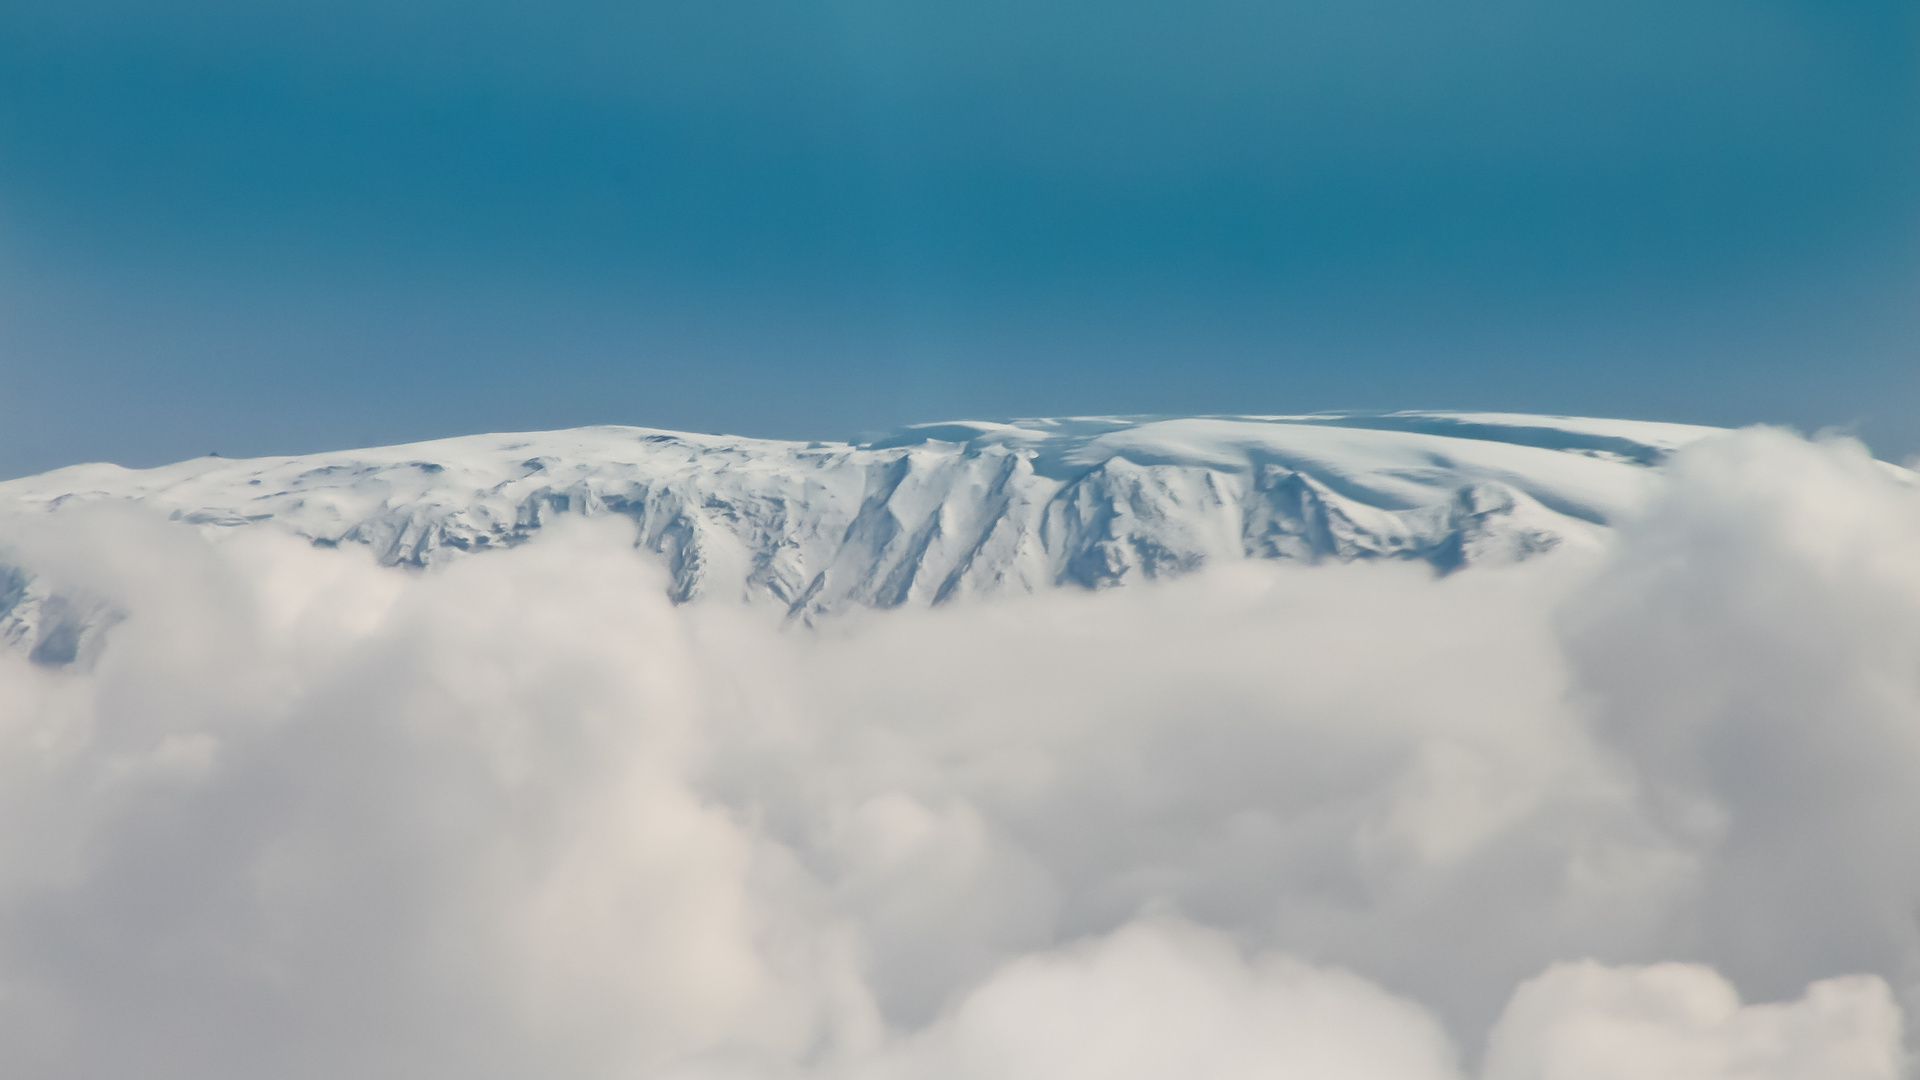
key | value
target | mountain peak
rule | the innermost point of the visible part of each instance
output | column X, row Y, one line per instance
column 924, row 515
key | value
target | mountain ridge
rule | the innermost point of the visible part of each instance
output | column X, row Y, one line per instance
column 928, row 514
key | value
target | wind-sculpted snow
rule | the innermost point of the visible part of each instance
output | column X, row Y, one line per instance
column 930, row 514
column 1640, row 810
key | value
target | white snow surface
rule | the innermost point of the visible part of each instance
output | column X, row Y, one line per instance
column 933, row 512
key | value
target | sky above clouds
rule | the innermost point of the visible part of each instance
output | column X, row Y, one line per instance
column 277, row 228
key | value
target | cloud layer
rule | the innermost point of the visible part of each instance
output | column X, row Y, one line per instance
column 303, row 816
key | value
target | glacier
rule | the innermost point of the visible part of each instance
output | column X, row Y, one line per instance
column 928, row 514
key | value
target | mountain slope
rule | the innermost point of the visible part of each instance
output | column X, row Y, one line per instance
column 926, row 515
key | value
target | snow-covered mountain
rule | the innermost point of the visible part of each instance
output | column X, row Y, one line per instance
column 926, row 515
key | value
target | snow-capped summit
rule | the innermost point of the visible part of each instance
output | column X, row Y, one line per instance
column 927, row 514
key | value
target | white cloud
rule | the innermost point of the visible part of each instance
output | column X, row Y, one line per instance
column 1587, row 1022
column 1162, row 998
column 303, row 816
column 1752, row 655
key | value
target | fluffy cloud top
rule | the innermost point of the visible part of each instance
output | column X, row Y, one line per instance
column 1587, row 1022
column 303, row 816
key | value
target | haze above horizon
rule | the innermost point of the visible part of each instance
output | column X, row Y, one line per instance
column 260, row 231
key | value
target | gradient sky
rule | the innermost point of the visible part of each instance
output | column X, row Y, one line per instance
column 252, row 227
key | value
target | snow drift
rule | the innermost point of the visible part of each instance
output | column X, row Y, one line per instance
column 1635, row 805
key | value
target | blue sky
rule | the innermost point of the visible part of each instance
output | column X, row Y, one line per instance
column 264, row 228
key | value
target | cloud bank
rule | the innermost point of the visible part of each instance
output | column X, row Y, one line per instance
column 1639, row 813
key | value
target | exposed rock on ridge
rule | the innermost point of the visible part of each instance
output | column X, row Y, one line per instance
column 924, row 516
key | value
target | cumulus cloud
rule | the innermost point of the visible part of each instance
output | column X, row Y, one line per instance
column 1752, row 654
column 1162, row 998
column 1584, row 1021
column 303, row 816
